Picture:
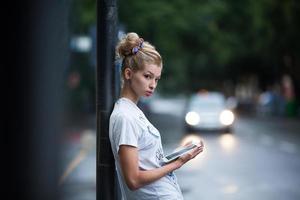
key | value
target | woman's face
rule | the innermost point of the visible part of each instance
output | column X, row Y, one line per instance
column 143, row 82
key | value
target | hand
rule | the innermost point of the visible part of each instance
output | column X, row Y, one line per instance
column 192, row 154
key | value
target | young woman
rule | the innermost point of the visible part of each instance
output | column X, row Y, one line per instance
column 136, row 143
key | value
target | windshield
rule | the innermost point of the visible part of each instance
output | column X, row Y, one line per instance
column 207, row 102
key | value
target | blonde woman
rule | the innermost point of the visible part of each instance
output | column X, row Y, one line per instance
column 136, row 143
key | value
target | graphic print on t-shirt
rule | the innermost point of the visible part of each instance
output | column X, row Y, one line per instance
column 159, row 155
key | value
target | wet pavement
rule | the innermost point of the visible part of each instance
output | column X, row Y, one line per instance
column 78, row 164
column 258, row 160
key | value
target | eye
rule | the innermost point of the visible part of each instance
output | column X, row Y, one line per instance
column 147, row 76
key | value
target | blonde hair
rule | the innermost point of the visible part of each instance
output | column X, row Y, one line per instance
column 135, row 53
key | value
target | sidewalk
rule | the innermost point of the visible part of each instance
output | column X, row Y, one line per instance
column 78, row 161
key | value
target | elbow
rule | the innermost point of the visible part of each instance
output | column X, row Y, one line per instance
column 133, row 185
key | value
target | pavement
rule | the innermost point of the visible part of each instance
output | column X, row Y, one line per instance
column 78, row 161
column 78, row 156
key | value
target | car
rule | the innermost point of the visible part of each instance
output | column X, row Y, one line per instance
column 208, row 111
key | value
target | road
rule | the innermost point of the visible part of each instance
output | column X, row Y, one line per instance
column 258, row 160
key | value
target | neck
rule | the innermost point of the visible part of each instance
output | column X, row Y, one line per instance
column 129, row 94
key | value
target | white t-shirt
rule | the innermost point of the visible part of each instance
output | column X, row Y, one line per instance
column 129, row 126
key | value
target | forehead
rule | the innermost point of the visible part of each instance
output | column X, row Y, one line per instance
column 152, row 68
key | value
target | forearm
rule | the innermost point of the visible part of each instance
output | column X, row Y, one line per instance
column 149, row 176
column 136, row 178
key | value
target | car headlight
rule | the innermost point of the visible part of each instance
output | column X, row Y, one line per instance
column 226, row 117
column 192, row 118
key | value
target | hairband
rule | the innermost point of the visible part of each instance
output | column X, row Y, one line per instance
column 137, row 48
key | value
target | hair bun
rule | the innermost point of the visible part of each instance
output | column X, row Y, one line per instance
column 127, row 43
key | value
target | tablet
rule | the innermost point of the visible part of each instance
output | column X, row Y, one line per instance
column 179, row 152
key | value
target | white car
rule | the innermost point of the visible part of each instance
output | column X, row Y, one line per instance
column 208, row 111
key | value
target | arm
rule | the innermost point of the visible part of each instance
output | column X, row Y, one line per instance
column 136, row 178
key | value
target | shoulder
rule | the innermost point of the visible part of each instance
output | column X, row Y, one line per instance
column 121, row 107
column 122, row 111
column 121, row 116
column 122, row 119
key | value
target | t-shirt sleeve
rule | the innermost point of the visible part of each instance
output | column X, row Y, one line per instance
column 125, row 132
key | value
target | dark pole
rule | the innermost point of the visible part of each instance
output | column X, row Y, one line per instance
column 35, row 101
column 105, row 96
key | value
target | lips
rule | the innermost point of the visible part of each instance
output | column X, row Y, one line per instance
column 149, row 93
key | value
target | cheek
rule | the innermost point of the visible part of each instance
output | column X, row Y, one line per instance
column 139, row 83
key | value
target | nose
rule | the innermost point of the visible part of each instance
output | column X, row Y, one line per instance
column 153, row 84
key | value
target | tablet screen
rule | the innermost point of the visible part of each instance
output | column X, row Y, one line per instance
column 180, row 152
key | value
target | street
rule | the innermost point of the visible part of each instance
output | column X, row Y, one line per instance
column 258, row 160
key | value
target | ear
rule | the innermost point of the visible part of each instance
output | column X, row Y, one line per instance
column 127, row 73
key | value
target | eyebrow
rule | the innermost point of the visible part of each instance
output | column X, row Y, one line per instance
column 153, row 74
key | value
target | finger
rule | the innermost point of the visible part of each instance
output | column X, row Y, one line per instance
column 186, row 157
column 187, row 143
column 201, row 143
column 196, row 151
column 201, row 148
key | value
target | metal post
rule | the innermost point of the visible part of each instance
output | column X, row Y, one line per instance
column 105, row 96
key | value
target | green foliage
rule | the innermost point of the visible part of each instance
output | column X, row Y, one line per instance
column 83, row 15
column 208, row 41
column 201, row 40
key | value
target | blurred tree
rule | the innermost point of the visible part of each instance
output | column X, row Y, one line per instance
column 80, row 74
column 83, row 15
column 205, row 41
